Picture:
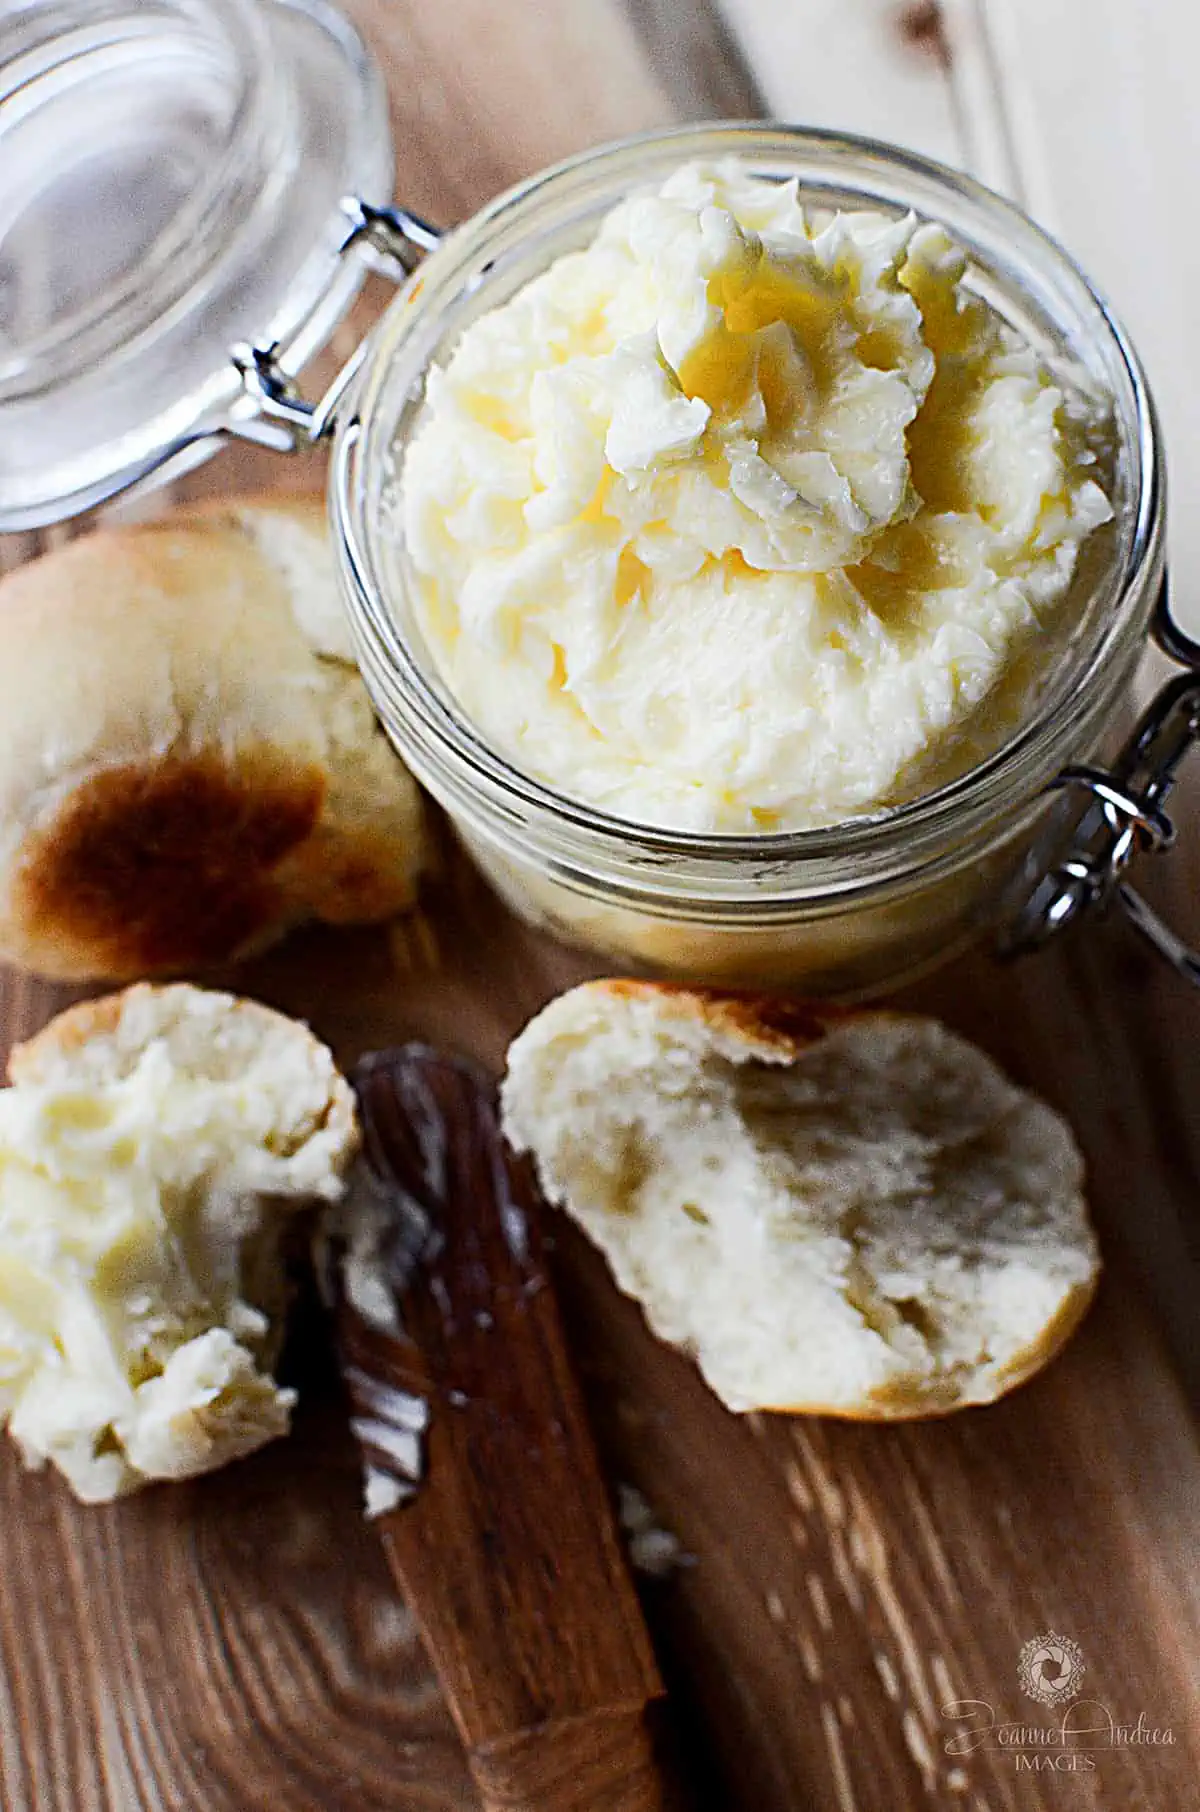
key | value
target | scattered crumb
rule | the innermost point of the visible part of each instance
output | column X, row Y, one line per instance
column 656, row 1552
column 652, row 1549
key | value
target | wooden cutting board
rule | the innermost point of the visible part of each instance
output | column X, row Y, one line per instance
column 236, row 1646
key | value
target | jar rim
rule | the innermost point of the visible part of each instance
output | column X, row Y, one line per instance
column 973, row 798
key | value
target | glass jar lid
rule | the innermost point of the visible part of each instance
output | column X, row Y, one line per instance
column 173, row 175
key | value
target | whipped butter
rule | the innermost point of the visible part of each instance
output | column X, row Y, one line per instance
column 140, row 1219
column 741, row 517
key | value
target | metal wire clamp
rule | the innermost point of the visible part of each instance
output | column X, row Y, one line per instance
column 1121, row 816
column 275, row 413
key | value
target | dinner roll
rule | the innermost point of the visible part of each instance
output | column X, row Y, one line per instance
column 189, row 763
column 155, row 1148
column 851, row 1214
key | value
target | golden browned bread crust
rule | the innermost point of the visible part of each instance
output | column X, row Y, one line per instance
column 925, row 1405
column 188, row 761
column 772, row 1026
column 31, row 1061
column 154, row 869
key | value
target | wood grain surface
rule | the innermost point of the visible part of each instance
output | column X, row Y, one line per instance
column 236, row 1645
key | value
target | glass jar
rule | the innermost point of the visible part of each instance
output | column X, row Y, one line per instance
column 190, row 194
column 844, row 910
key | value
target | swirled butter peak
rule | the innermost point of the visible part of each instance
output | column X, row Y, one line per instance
column 738, row 517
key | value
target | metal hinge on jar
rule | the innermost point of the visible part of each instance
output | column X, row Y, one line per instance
column 1122, row 816
column 279, row 416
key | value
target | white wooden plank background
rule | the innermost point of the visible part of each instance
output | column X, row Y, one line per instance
column 1083, row 110
column 850, row 64
column 1108, row 136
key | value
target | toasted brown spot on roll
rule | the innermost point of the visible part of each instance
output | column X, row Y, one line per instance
column 169, row 867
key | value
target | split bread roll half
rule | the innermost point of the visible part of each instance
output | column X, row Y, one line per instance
column 155, row 1149
column 189, row 762
column 851, row 1214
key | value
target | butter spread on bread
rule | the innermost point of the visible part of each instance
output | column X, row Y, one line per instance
column 154, row 1148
